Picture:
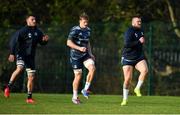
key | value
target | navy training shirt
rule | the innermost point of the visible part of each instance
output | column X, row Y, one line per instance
column 133, row 48
column 81, row 38
column 25, row 40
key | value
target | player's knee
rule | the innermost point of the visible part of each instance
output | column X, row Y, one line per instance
column 30, row 78
column 92, row 68
column 144, row 71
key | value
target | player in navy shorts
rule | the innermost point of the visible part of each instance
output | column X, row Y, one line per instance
column 81, row 55
column 133, row 57
column 22, row 50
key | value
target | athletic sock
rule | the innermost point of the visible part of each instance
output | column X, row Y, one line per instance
column 125, row 94
column 139, row 84
column 87, row 85
column 75, row 94
column 10, row 84
column 29, row 95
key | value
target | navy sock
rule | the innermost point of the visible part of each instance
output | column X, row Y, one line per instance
column 10, row 84
column 29, row 95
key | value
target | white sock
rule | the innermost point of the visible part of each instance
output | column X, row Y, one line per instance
column 125, row 94
column 75, row 94
column 139, row 84
column 87, row 85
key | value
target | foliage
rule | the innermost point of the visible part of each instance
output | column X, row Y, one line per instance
column 67, row 11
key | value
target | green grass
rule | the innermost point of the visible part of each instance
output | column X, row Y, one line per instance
column 97, row 104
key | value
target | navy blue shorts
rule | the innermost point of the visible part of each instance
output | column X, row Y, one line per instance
column 78, row 64
column 26, row 61
column 125, row 61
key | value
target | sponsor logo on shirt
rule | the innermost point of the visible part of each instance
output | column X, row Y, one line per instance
column 29, row 35
column 80, row 34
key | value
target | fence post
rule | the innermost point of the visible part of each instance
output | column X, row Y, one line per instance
column 150, row 75
column 84, row 77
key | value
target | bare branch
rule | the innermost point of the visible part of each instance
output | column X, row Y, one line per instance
column 173, row 20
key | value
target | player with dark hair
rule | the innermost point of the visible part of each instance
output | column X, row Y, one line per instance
column 80, row 54
column 22, row 49
column 133, row 57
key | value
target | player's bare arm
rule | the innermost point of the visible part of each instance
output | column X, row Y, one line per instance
column 74, row 46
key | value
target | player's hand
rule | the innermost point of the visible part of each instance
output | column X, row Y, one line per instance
column 45, row 38
column 142, row 40
column 11, row 58
column 82, row 49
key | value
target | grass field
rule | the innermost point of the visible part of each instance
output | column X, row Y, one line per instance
column 97, row 104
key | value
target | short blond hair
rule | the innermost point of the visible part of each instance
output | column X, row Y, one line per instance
column 83, row 16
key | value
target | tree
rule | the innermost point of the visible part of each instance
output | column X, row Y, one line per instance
column 173, row 18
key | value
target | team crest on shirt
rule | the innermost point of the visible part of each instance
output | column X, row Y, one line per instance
column 35, row 34
column 136, row 35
